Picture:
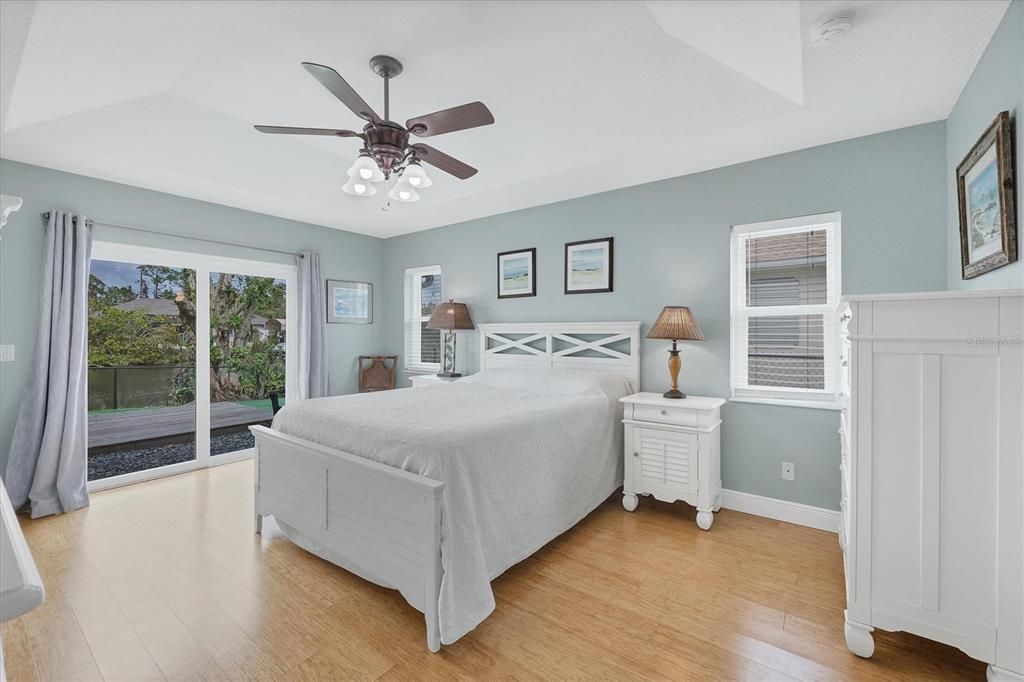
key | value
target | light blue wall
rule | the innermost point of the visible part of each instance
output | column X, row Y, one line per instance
column 671, row 244
column 672, row 247
column 997, row 84
column 343, row 256
column 895, row 191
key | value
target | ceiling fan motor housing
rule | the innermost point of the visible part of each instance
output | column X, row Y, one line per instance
column 386, row 142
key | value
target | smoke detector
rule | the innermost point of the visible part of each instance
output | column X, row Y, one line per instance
column 831, row 29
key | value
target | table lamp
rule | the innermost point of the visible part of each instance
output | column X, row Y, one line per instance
column 449, row 317
column 676, row 323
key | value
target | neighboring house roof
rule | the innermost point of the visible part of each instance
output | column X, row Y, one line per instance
column 164, row 307
column 805, row 246
column 260, row 321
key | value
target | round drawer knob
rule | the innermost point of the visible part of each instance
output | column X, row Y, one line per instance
column 664, row 413
column 636, row 454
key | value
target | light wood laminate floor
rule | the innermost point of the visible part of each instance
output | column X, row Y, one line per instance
column 167, row 580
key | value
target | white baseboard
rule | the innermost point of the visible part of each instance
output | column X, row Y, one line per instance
column 782, row 510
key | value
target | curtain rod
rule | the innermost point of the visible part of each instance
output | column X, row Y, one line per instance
column 46, row 216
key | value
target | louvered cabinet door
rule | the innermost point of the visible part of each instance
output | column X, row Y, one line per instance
column 665, row 463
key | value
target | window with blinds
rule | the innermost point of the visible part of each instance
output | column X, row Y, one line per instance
column 423, row 291
column 785, row 294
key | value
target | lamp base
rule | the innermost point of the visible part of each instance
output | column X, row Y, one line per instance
column 450, row 375
column 673, row 370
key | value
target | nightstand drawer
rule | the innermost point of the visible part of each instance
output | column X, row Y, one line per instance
column 664, row 415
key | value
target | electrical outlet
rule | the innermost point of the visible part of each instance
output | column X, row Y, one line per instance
column 788, row 471
column 7, row 352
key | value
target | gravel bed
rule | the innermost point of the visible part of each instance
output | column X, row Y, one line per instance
column 129, row 461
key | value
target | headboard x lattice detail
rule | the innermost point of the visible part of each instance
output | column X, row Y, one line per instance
column 608, row 347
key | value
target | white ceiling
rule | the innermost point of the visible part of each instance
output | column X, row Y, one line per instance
column 588, row 96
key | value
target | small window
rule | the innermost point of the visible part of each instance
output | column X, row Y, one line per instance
column 423, row 290
column 785, row 294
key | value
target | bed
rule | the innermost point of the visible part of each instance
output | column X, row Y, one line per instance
column 436, row 491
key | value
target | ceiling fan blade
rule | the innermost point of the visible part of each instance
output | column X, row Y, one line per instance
column 286, row 130
column 332, row 80
column 472, row 115
column 446, row 163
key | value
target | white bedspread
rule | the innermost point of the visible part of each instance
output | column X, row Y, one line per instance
column 524, row 456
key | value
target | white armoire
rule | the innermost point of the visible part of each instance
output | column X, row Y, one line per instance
column 932, row 522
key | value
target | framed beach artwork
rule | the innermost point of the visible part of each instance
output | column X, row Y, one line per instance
column 588, row 266
column 517, row 277
column 349, row 302
column 985, row 187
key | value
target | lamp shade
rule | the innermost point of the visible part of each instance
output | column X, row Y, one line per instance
column 676, row 323
column 450, row 315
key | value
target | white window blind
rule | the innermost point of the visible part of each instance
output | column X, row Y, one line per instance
column 423, row 291
column 785, row 294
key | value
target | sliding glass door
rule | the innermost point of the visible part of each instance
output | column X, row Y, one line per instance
column 186, row 351
column 248, row 324
column 142, row 364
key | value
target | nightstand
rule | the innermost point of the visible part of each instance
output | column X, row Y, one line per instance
column 673, row 452
column 421, row 380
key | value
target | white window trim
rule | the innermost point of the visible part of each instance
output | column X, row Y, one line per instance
column 413, row 316
column 793, row 397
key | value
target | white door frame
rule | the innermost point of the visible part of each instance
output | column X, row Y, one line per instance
column 203, row 264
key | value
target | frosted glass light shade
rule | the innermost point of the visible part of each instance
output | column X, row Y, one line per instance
column 416, row 176
column 404, row 192
column 365, row 169
column 359, row 188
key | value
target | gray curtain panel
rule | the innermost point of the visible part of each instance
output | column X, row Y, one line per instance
column 312, row 331
column 49, row 451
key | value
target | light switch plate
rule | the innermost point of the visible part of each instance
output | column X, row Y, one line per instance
column 7, row 352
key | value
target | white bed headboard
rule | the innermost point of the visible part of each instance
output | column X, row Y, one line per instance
column 611, row 347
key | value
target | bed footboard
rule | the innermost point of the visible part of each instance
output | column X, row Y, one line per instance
column 384, row 520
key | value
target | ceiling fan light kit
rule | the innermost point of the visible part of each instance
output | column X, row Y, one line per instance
column 417, row 177
column 386, row 149
column 359, row 188
column 365, row 168
column 404, row 191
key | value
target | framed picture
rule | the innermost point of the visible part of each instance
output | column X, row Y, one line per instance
column 588, row 266
column 349, row 302
column 984, row 181
column 517, row 276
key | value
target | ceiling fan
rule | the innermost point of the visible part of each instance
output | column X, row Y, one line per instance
column 386, row 148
